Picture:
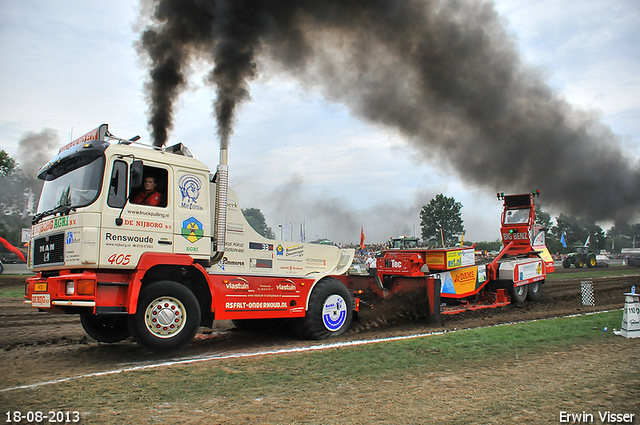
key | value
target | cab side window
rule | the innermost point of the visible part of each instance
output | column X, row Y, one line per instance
column 118, row 185
column 154, row 188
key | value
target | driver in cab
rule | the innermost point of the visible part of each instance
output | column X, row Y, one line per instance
column 149, row 196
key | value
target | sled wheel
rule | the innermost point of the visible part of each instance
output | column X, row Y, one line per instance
column 591, row 261
column 329, row 314
column 534, row 291
column 519, row 293
column 578, row 263
column 167, row 318
column 105, row 328
column 565, row 263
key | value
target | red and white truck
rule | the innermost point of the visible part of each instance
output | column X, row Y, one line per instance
column 159, row 272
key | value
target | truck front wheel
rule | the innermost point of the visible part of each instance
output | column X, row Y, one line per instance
column 105, row 328
column 167, row 318
column 329, row 314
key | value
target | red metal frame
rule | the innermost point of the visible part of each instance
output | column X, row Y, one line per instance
column 486, row 299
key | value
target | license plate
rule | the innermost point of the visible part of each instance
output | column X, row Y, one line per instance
column 41, row 300
column 40, row 287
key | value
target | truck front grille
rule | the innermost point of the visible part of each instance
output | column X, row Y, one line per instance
column 48, row 250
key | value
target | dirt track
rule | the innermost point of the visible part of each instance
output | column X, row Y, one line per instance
column 32, row 341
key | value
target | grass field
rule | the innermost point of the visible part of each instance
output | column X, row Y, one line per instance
column 12, row 292
column 531, row 370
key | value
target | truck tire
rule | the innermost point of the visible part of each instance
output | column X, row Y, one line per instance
column 578, row 263
column 534, row 291
column 329, row 314
column 167, row 318
column 591, row 261
column 108, row 329
column 566, row 263
column 518, row 293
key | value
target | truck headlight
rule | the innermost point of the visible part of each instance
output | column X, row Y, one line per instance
column 69, row 288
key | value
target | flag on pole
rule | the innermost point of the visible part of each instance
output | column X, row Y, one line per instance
column 588, row 298
column 361, row 237
column 587, row 241
column 302, row 234
column 587, row 294
column 563, row 241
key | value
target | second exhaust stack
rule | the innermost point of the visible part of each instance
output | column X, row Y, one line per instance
column 222, row 185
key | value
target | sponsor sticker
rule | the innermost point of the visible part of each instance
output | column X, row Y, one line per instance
column 190, row 186
column 295, row 251
column 71, row 239
column 334, row 313
column 55, row 223
column 259, row 246
column 260, row 263
column 192, row 229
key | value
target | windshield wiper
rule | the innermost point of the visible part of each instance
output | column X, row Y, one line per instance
column 62, row 209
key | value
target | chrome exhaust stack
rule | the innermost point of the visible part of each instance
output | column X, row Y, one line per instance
column 220, row 217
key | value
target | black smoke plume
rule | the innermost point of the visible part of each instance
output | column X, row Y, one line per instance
column 443, row 72
column 35, row 149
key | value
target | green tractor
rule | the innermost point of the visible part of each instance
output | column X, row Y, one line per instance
column 403, row 242
column 583, row 256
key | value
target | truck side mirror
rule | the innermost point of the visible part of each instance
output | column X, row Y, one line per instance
column 136, row 173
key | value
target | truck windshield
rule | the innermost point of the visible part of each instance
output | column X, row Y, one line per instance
column 76, row 188
column 519, row 216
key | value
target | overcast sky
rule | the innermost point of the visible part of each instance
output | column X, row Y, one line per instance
column 71, row 65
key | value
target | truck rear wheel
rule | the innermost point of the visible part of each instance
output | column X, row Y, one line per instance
column 105, row 328
column 591, row 260
column 329, row 314
column 519, row 293
column 167, row 318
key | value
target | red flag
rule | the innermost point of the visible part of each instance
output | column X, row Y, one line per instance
column 361, row 237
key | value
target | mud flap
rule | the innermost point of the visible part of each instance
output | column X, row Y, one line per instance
column 434, row 300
